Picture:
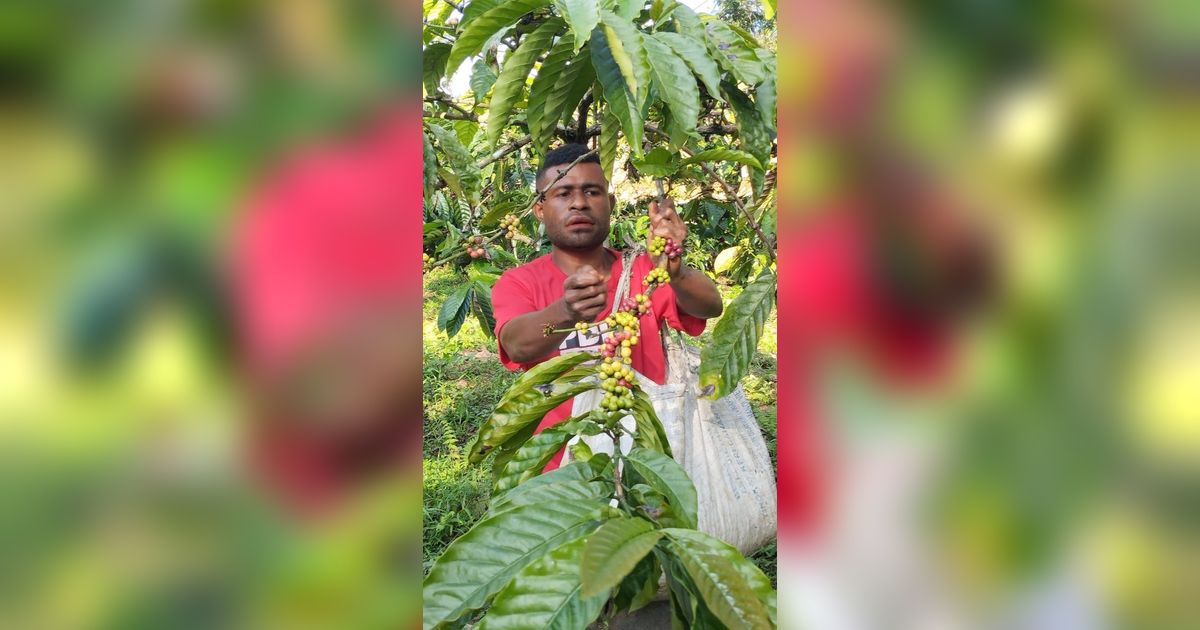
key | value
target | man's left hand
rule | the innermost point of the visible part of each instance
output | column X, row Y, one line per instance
column 665, row 222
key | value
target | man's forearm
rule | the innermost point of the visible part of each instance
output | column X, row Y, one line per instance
column 525, row 340
column 696, row 294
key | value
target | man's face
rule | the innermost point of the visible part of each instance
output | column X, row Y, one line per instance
column 576, row 209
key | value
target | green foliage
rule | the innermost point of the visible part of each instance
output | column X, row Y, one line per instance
column 538, row 115
column 725, row 360
column 566, row 551
column 512, row 78
column 601, row 528
column 613, row 551
column 478, row 31
column 736, row 592
column 724, row 155
column 455, row 498
column 526, row 402
column 696, row 57
column 474, row 567
column 547, row 594
column 582, row 16
column 617, row 94
column 666, row 476
column 482, row 79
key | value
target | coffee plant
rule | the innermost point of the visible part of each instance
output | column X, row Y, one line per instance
column 556, row 550
column 661, row 94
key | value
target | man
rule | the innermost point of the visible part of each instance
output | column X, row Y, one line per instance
column 577, row 280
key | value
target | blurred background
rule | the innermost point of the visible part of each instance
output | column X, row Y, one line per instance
column 143, row 147
column 1017, row 448
column 1009, row 426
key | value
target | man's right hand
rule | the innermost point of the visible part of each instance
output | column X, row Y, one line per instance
column 585, row 294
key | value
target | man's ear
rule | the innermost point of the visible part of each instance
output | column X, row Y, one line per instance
column 537, row 209
column 612, row 202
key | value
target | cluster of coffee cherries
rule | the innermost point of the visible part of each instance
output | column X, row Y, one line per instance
column 426, row 261
column 511, row 224
column 639, row 303
column 657, row 276
column 617, row 378
column 661, row 245
column 475, row 247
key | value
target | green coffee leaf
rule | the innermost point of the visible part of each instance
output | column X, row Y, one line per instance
column 482, row 307
column 650, row 432
column 546, row 595
column 429, row 163
column 521, row 405
column 732, row 52
column 726, row 358
column 610, row 129
column 433, row 63
column 724, row 155
column 726, row 258
column 568, row 91
column 454, row 310
column 666, row 475
column 769, row 9
column 474, row 567
column 531, row 458
column 731, row 586
column 541, row 121
column 482, row 79
column 478, row 30
column 675, row 83
column 640, row 586
column 582, row 16
column 572, row 482
column 659, row 162
column 616, row 91
column 628, row 51
column 696, row 56
column 613, row 550
column 512, row 77
column 463, row 171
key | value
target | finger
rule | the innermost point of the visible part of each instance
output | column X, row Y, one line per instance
column 585, row 293
column 592, row 282
column 596, row 302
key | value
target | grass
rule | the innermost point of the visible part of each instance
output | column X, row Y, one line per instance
column 462, row 382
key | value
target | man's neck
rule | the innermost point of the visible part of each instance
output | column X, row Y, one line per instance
column 569, row 261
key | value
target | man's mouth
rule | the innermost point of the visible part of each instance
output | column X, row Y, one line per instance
column 579, row 221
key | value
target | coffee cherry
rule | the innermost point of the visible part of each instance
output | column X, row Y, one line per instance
column 657, row 246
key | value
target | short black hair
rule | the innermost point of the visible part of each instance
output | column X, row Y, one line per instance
column 565, row 154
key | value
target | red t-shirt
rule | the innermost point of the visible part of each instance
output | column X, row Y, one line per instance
column 539, row 283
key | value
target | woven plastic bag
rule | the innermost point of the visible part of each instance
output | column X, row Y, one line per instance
column 717, row 442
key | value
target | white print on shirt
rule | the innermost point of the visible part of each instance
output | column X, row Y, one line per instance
column 589, row 341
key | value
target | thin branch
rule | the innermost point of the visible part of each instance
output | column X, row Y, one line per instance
column 562, row 132
column 716, row 130
column 443, row 98
column 729, row 192
column 457, row 7
column 581, row 124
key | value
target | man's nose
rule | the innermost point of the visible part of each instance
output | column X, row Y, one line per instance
column 579, row 201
